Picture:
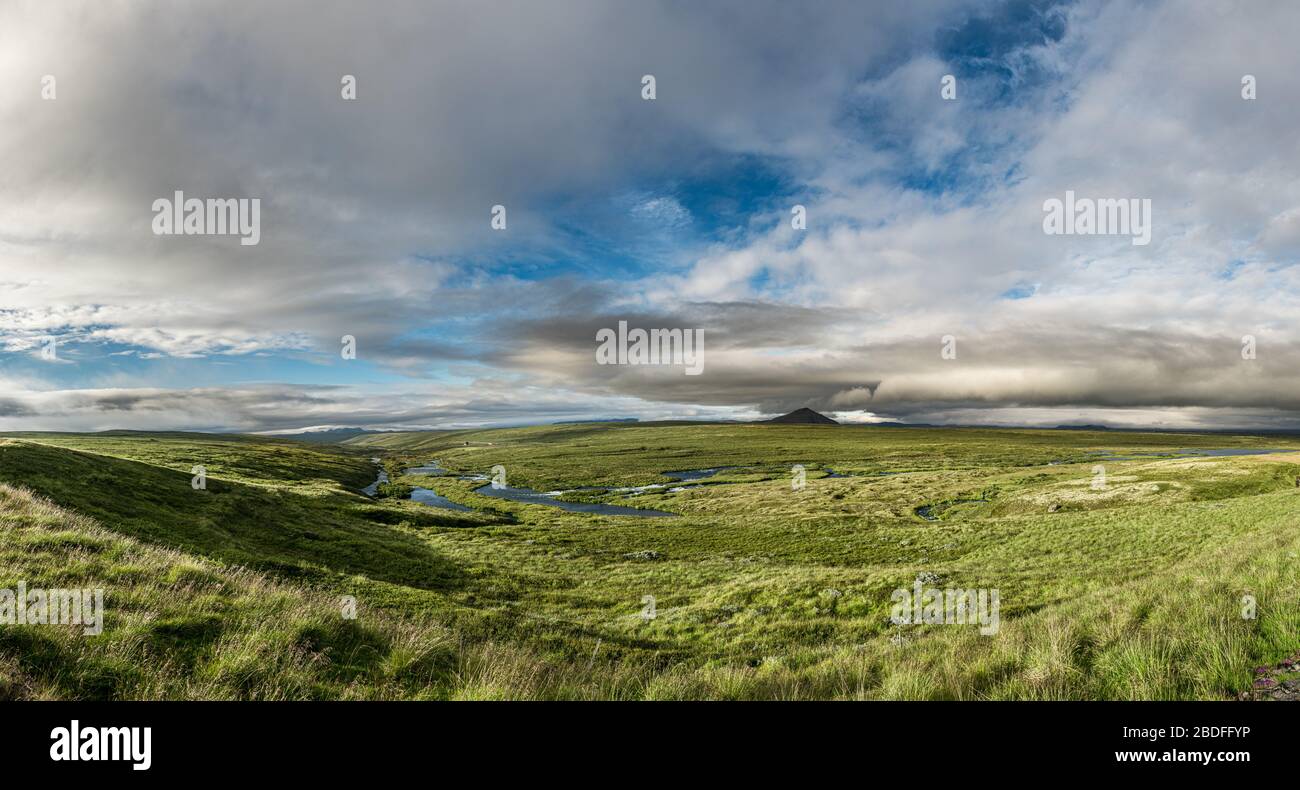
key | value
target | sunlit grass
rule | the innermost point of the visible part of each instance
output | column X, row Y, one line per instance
column 1128, row 591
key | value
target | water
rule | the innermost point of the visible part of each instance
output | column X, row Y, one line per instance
column 530, row 497
column 927, row 511
column 430, row 468
column 697, row 474
column 691, row 475
column 681, row 476
column 427, row 496
column 1234, row 451
column 373, row 488
column 634, row 490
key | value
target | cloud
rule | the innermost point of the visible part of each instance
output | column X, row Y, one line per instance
column 924, row 216
column 283, row 407
column 662, row 211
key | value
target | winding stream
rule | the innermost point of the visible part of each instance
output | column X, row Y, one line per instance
column 530, row 497
column 373, row 488
column 527, row 496
column 427, row 496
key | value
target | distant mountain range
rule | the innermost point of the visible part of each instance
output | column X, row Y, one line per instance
column 803, row 417
column 610, row 419
column 327, row 436
column 797, row 417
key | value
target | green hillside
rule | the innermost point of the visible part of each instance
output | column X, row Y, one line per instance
column 1130, row 590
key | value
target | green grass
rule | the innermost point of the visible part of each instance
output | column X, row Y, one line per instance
column 304, row 525
column 1129, row 592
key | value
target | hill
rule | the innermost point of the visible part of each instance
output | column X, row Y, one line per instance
column 803, row 417
column 326, row 435
column 273, row 506
column 1127, row 587
column 180, row 626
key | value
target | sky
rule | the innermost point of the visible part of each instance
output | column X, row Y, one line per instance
column 922, row 289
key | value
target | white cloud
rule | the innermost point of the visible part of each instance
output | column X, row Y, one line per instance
column 366, row 204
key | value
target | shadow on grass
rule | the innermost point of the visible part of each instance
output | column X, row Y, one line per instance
column 303, row 533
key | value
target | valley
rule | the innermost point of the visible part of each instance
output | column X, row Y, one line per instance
column 755, row 584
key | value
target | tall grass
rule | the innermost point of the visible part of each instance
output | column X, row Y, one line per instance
column 762, row 592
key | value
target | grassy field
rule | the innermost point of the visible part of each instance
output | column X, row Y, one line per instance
column 1131, row 588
